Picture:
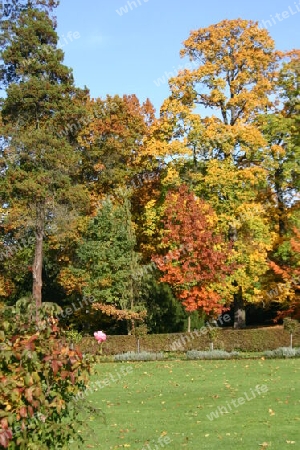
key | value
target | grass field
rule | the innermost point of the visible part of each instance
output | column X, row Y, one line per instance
column 168, row 405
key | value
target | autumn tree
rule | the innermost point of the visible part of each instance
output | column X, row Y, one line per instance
column 194, row 258
column 233, row 76
column 39, row 168
column 112, row 141
column 120, row 150
column 283, row 286
column 280, row 127
column 244, row 217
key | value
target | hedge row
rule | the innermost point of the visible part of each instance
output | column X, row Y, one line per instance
column 248, row 340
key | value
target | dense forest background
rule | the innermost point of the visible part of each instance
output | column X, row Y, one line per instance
column 127, row 218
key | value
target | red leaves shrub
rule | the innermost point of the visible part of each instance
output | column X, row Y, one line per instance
column 40, row 375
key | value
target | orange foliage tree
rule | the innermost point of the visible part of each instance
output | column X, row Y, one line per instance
column 195, row 258
column 286, row 288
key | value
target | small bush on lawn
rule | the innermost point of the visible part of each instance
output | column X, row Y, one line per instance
column 213, row 354
column 40, row 375
column 283, row 352
column 142, row 356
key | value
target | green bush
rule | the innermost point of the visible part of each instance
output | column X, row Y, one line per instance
column 213, row 333
column 213, row 354
column 40, row 375
column 72, row 337
column 143, row 356
column 291, row 326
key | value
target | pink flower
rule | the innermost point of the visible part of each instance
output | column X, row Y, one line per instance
column 100, row 336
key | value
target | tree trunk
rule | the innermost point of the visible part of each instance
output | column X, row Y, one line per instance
column 280, row 201
column 239, row 310
column 38, row 258
column 189, row 324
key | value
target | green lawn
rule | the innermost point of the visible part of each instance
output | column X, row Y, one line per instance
column 172, row 400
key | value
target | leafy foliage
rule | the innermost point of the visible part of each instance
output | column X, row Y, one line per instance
column 194, row 255
column 42, row 96
column 106, row 263
column 40, row 374
column 240, row 161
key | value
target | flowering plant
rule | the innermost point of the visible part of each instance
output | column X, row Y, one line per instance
column 100, row 338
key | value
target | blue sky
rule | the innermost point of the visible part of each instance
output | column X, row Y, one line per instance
column 112, row 51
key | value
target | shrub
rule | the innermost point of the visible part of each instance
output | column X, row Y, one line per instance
column 142, row 356
column 212, row 333
column 40, row 375
column 283, row 352
column 72, row 337
column 140, row 330
column 213, row 354
column 290, row 325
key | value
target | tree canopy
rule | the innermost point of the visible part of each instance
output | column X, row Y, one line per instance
column 101, row 198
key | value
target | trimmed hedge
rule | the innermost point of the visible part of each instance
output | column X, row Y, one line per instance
column 248, row 340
